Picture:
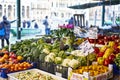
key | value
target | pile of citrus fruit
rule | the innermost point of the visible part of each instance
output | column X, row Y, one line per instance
column 16, row 67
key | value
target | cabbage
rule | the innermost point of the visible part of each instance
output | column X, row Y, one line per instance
column 49, row 58
column 45, row 50
column 77, row 53
column 52, row 54
column 65, row 62
column 74, row 63
column 58, row 60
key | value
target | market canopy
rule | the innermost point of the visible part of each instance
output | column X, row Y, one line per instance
column 94, row 4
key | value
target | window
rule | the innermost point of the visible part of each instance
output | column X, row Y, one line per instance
column 52, row 4
column 27, row 12
column 9, row 11
column 4, row 11
column 0, row 10
column 118, row 8
column 62, row 15
column 23, row 11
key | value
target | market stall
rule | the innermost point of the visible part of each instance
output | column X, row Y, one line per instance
column 63, row 54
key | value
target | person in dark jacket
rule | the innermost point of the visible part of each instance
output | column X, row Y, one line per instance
column 71, row 21
column 46, row 24
column 6, row 24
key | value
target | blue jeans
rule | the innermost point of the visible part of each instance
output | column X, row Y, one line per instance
column 47, row 31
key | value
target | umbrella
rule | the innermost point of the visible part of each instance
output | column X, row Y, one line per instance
column 94, row 4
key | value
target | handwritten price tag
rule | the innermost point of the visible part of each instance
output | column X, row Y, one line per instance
column 76, row 77
column 92, row 33
column 86, row 48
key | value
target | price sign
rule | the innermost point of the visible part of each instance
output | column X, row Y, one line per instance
column 80, row 32
column 76, row 77
column 92, row 33
column 102, row 77
column 86, row 48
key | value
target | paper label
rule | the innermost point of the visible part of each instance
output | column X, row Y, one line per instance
column 58, row 74
column 102, row 77
column 76, row 77
column 86, row 48
column 92, row 33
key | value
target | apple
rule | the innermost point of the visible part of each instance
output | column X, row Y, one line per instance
column 117, row 41
column 96, row 50
column 116, row 50
column 91, row 40
column 6, row 52
column 116, row 36
column 101, row 41
column 14, row 56
column 11, row 53
column 100, row 36
column 111, row 58
column 106, row 62
column 106, row 38
column 109, row 38
column 15, row 61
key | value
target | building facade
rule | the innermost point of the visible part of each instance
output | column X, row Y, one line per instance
column 38, row 9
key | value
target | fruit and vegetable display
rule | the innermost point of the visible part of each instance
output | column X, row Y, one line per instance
column 64, row 51
column 104, row 39
column 117, row 60
column 107, row 53
column 16, row 67
column 33, row 74
column 9, row 57
column 94, row 70
column 12, row 62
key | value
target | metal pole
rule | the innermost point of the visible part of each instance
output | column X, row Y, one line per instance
column 103, row 13
column 18, row 19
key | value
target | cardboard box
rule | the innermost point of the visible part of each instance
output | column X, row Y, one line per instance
column 86, row 76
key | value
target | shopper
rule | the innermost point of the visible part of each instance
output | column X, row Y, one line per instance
column 36, row 25
column 46, row 24
column 28, row 24
column 24, row 24
column 6, row 25
column 71, row 21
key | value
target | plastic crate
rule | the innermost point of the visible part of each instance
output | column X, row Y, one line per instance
column 46, row 66
column 62, row 70
column 53, row 68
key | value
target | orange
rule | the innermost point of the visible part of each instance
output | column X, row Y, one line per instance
column 2, row 59
column 19, row 68
column 19, row 58
column 6, row 56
